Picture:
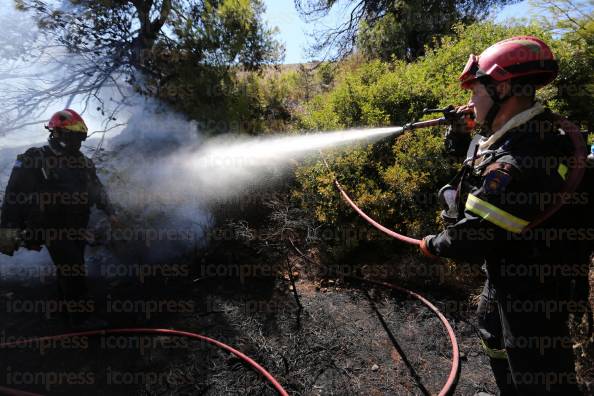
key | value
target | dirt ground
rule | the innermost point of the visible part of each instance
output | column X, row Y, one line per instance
column 334, row 344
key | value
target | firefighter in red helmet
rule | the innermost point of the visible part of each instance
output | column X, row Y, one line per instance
column 47, row 202
column 67, row 131
column 502, row 210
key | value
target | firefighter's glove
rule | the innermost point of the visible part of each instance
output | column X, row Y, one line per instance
column 456, row 141
column 458, row 127
column 425, row 249
column 9, row 240
column 462, row 120
column 457, row 137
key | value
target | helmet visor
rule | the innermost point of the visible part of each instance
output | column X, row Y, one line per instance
column 470, row 71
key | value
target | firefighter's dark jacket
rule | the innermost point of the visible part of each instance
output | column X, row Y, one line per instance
column 507, row 188
column 46, row 190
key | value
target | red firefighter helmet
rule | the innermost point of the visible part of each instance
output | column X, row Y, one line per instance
column 521, row 56
column 68, row 120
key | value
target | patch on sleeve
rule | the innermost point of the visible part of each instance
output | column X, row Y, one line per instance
column 496, row 181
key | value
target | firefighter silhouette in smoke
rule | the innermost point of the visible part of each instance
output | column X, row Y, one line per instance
column 497, row 213
column 48, row 200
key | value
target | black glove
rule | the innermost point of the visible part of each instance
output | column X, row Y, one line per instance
column 9, row 240
column 457, row 139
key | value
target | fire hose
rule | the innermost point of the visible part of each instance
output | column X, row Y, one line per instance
column 450, row 117
column 254, row 365
column 455, row 367
column 167, row 332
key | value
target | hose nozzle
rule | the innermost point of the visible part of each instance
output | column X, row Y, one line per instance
column 451, row 116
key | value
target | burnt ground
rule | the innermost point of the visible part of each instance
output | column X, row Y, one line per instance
column 334, row 345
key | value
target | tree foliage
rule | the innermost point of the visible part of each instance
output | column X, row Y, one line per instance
column 176, row 50
column 386, row 28
column 574, row 21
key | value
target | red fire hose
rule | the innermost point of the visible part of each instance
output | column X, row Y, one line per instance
column 374, row 223
column 364, row 215
column 253, row 364
column 454, row 371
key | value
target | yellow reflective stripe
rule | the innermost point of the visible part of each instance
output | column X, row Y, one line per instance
column 562, row 169
column 494, row 353
column 495, row 215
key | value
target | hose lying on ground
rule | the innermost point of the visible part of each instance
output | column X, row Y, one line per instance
column 166, row 332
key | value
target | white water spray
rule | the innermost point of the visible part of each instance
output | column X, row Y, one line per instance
column 224, row 166
column 269, row 150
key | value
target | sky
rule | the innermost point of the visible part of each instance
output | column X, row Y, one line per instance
column 293, row 32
